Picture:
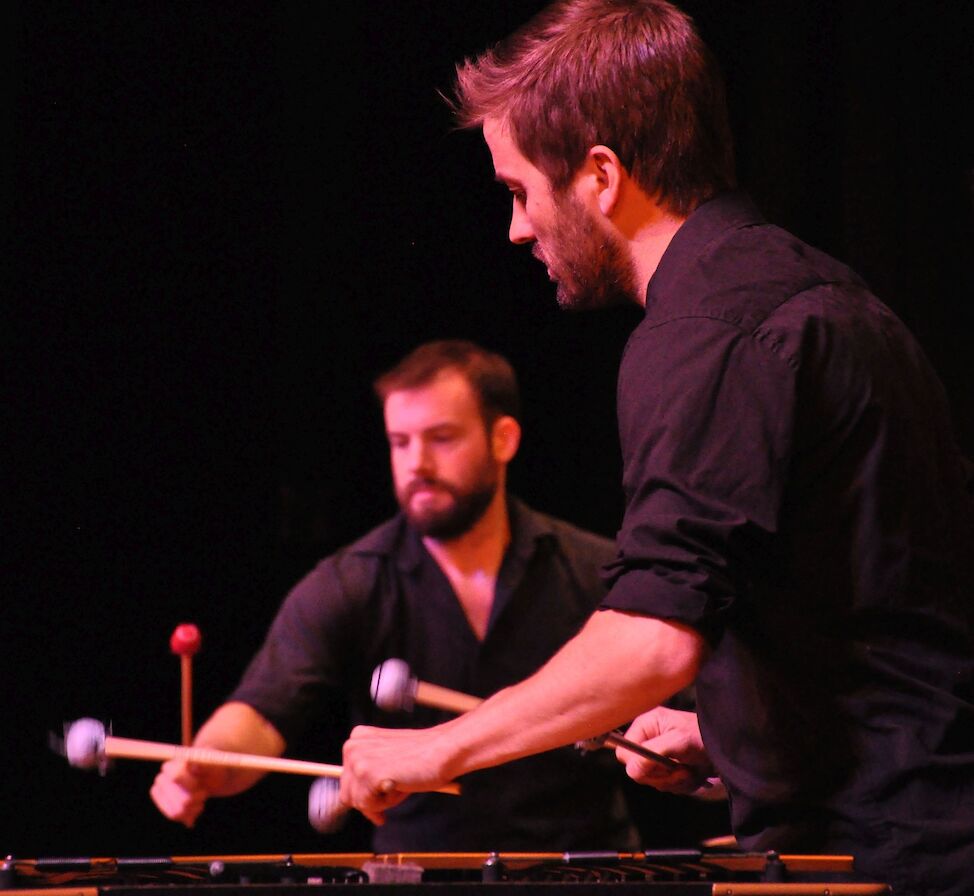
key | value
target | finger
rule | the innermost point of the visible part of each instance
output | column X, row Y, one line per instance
column 651, row 752
column 377, row 818
column 682, row 780
column 190, row 815
column 639, row 767
column 644, row 727
column 345, row 788
column 184, row 774
column 660, row 777
column 175, row 802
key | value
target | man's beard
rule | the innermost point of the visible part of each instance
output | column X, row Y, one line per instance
column 454, row 520
column 594, row 270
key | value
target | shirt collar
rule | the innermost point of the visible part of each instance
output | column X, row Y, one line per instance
column 528, row 529
column 712, row 219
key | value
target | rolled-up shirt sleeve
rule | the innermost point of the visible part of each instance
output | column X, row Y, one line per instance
column 306, row 649
column 706, row 413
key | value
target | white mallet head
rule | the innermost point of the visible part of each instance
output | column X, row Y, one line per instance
column 84, row 744
column 326, row 812
column 393, row 687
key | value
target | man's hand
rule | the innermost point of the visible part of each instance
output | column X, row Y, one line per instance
column 671, row 733
column 381, row 767
column 182, row 788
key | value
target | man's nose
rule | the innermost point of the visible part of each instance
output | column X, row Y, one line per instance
column 419, row 457
column 521, row 230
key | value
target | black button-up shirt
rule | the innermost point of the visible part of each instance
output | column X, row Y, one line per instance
column 794, row 491
column 385, row 596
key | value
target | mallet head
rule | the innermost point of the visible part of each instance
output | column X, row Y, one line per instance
column 84, row 744
column 185, row 640
column 326, row 812
column 393, row 686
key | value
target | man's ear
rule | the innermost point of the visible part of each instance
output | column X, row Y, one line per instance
column 505, row 437
column 608, row 175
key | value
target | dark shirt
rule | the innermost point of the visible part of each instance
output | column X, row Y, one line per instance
column 794, row 492
column 385, row 596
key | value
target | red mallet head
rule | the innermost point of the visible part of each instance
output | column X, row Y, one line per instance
column 186, row 640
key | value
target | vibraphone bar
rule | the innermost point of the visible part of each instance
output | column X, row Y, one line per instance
column 656, row 873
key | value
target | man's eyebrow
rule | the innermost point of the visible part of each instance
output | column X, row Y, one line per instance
column 448, row 425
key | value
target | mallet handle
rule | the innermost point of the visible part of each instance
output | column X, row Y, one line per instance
column 126, row 748
column 186, row 697
column 443, row 698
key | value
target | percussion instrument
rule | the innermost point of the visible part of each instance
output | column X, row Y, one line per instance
column 648, row 873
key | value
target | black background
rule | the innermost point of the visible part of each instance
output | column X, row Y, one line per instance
column 227, row 218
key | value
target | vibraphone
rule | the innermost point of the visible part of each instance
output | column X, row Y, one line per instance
column 655, row 873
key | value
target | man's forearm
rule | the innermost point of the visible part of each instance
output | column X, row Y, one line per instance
column 238, row 728
column 618, row 666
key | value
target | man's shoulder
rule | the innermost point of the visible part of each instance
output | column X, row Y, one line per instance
column 582, row 539
column 733, row 268
column 382, row 541
column 572, row 540
column 756, row 288
column 360, row 561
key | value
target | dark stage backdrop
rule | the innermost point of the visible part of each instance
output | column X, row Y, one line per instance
column 229, row 216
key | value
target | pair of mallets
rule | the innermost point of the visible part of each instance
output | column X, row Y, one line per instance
column 394, row 688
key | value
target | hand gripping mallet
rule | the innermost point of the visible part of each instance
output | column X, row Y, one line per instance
column 395, row 688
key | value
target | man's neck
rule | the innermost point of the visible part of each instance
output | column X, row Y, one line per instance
column 648, row 245
column 481, row 548
column 472, row 561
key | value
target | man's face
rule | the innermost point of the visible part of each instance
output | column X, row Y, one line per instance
column 589, row 263
column 443, row 470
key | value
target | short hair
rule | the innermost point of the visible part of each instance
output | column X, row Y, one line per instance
column 633, row 75
column 489, row 374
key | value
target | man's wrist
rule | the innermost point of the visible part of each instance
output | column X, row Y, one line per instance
column 455, row 748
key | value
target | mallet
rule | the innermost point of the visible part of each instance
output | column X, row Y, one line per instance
column 326, row 812
column 394, row 687
column 86, row 745
column 185, row 643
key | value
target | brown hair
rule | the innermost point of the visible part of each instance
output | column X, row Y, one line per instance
column 490, row 375
column 632, row 75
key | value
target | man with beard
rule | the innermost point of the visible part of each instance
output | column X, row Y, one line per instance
column 798, row 526
column 473, row 589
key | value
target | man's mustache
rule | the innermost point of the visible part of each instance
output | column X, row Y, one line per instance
column 416, row 484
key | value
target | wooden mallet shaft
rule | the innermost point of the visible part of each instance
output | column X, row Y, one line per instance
column 186, row 698
column 443, row 698
column 395, row 689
